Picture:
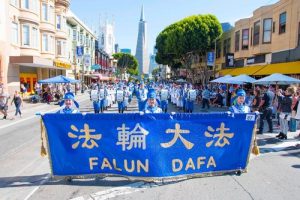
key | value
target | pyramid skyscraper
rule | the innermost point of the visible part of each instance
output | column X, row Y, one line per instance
column 141, row 47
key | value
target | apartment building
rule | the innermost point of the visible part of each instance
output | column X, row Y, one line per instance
column 80, row 36
column 34, row 41
column 266, row 43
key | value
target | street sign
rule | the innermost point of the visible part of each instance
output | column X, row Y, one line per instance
column 210, row 59
column 87, row 60
column 79, row 51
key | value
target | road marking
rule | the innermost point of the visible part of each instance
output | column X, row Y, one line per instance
column 118, row 191
column 37, row 187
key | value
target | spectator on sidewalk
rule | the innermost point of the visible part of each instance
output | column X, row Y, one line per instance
column 3, row 103
column 17, row 100
column 256, row 100
column 266, row 108
column 205, row 98
column 285, row 108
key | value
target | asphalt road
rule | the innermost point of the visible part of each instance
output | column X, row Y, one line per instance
column 24, row 174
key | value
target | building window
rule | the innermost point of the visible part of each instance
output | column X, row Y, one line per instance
column 267, row 30
column 51, row 14
column 245, row 39
column 256, row 33
column 34, row 5
column 218, row 49
column 14, row 33
column 58, row 22
column 25, row 35
column 237, row 41
column 61, row 48
column 274, row 27
column 226, row 46
column 45, row 42
column 45, row 12
column 74, row 35
column 51, row 44
column 14, row 3
column 282, row 22
column 25, row 4
column 299, row 34
column 251, row 42
column 34, row 37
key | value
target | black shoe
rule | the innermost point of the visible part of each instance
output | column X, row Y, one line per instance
column 4, row 117
column 280, row 135
column 271, row 131
column 259, row 133
column 283, row 137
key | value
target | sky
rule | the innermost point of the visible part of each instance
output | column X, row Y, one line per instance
column 158, row 14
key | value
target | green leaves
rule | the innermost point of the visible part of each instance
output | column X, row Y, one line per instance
column 126, row 62
column 195, row 34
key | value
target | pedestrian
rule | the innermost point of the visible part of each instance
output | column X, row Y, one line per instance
column 285, row 108
column 256, row 100
column 205, row 98
column 17, row 100
column 267, row 109
column 3, row 103
column 240, row 106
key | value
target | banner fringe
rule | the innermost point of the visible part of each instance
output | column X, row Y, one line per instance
column 43, row 149
column 255, row 148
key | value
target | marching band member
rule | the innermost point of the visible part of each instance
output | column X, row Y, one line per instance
column 120, row 98
column 151, row 106
column 96, row 100
column 142, row 96
column 191, row 96
column 103, row 97
column 68, row 102
column 240, row 106
column 163, row 94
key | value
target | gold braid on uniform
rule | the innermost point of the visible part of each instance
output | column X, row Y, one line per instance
column 43, row 132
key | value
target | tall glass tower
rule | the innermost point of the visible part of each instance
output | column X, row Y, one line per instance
column 141, row 47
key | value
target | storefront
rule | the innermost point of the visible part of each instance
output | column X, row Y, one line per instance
column 27, row 70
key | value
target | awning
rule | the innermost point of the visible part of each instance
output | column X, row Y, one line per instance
column 96, row 66
column 34, row 61
column 224, row 72
column 282, row 68
column 247, row 70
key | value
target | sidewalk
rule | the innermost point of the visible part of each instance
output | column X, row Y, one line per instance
column 29, row 109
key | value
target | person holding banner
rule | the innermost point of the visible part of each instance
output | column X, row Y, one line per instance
column 240, row 106
column 68, row 102
column 151, row 106
column 142, row 96
column 191, row 97
column 120, row 98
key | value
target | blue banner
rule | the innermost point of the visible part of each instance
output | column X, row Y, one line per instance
column 79, row 51
column 149, row 145
column 210, row 59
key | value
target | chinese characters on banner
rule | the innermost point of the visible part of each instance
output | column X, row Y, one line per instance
column 148, row 146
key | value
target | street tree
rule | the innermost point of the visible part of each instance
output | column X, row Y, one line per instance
column 126, row 63
column 188, row 40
